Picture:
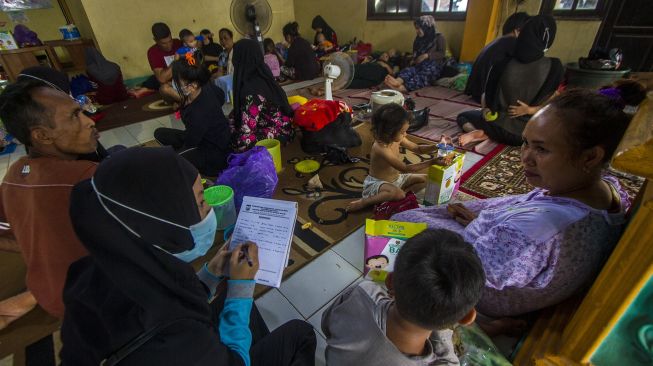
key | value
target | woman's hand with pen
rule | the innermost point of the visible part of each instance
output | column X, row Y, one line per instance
column 244, row 262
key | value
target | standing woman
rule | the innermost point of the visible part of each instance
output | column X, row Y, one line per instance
column 429, row 50
column 142, row 218
column 319, row 25
column 301, row 63
column 206, row 140
column 261, row 109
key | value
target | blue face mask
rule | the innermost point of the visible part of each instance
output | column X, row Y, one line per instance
column 203, row 232
column 203, row 235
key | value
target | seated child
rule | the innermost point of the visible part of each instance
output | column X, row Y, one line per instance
column 211, row 50
column 189, row 42
column 437, row 281
column 389, row 177
column 323, row 47
column 272, row 57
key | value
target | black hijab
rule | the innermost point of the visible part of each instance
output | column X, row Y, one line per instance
column 253, row 77
column 425, row 43
column 127, row 285
column 319, row 22
column 534, row 39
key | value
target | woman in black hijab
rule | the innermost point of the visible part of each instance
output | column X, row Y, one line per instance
column 261, row 109
column 497, row 51
column 107, row 75
column 320, row 25
column 526, row 78
column 429, row 48
column 135, row 299
column 301, row 63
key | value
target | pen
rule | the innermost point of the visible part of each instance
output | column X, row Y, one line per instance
column 244, row 251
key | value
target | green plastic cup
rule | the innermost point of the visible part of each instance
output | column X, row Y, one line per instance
column 221, row 198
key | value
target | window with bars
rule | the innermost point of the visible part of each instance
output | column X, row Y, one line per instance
column 411, row 9
column 574, row 9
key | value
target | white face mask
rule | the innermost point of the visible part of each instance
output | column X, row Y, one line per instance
column 180, row 89
column 203, row 232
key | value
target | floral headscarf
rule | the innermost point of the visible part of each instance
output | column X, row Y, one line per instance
column 423, row 44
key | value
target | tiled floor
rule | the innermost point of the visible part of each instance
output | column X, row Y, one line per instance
column 304, row 295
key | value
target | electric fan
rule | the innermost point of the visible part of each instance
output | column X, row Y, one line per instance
column 338, row 73
column 251, row 18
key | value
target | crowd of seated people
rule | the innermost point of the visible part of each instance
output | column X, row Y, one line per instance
column 111, row 259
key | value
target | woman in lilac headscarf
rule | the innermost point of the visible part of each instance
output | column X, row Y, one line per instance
column 429, row 50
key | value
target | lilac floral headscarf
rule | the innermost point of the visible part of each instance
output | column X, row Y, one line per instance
column 423, row 44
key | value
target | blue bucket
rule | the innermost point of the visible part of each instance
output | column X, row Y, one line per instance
column 70, row 32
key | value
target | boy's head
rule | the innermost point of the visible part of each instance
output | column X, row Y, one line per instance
column 188, row 38
column 390, row 123
column 437, row 280
column 320, row 37
column 208, row 36
column 268, row 45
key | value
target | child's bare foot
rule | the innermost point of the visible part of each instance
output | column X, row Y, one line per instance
column 355, row 205
column 471, row 137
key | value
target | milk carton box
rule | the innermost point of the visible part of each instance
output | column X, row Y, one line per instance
column 443, row 181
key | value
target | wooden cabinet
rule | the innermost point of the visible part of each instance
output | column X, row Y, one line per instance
column 14, row 61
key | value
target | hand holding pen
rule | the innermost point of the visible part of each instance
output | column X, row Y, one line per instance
column 244, row 262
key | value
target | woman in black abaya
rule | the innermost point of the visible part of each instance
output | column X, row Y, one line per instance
column 136, row 299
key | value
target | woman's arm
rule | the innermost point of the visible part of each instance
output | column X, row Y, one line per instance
column 234, row 318
column 211, row 58
column 438, row 51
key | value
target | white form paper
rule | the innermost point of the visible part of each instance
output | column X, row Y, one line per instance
column 169, row 59
column 270, row 224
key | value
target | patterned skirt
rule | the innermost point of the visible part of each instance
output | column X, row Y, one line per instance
column 421, row 75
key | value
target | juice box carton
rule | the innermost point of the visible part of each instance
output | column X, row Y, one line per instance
column 443, row 181
column 383, row 240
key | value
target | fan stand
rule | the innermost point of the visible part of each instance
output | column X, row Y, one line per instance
column 328, row 95
column 250, row 14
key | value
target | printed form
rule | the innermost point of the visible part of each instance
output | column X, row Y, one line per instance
column 270, row 224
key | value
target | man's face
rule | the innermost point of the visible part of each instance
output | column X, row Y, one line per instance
column 69, row 130
column 165, row 44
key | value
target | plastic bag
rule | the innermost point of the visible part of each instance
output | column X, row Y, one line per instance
column 250, row 173
column 475, row 348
